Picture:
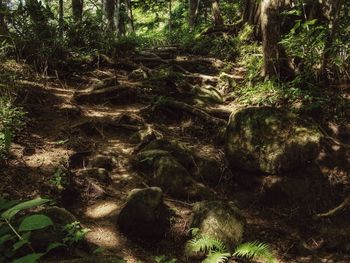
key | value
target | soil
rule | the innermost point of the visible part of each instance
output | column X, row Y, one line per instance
column 62, row 134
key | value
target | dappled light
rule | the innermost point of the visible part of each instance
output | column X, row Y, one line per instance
column 171, row 131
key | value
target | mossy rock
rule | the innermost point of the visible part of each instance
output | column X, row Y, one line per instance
column 171, row 176
column 145, row 215
column 220, row 220
column 61, row 217
column 207, row 94
column 145, row 160
column 266, row 139
column 176, row 149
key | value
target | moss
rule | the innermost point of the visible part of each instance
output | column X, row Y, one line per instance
column 269, row 140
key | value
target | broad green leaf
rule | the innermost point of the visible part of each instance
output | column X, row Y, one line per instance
column 4, row 204
column 19, row 244
column 54, row 245
column 5, row 238
column 31, row 258
column 8, row 214
column 35, row 222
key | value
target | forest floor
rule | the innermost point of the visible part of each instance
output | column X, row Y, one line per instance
column 64, row 131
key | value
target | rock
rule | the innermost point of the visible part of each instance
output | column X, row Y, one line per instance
column 265, row 139
column 61, row 217
column 101, row 161
column 99, row 174
column 208, row 169
column 172, row 177
column 145, row 215
column 219, row 220
column 144, row 160
column 138, row 74
column 176, row 149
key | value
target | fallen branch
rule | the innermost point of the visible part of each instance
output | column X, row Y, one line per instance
column 335, row 210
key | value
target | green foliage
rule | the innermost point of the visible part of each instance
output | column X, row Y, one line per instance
column 13, row 237
column 75, row 233
column 215, row 250
column 164, row 259
column 15, row 231
column 11, row 122
column 59, row 179
column 255, row 250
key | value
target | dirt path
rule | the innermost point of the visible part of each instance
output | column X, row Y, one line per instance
column 63, row 135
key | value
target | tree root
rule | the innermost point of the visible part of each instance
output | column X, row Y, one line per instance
column 335, row 210
column 177, row 105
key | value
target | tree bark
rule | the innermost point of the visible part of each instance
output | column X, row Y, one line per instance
column 170, row 15
column 218, row 21
column 61, row 17
column 77, row 10
column 117, row 17
column 130, row 15
column 108, row 13
column 193, row 6
column 270, row 28
column 333, row 24
column 3, row 27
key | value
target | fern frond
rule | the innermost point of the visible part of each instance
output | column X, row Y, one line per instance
column 255, row 250
column 204, row 244
column 217, row 257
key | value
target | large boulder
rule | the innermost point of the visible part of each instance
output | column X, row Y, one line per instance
column 145, row 215
column 266, row 139
column 220, row 220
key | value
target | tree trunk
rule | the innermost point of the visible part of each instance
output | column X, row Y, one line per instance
column 108, row 14
column 130, row 15
column 77, row 10
column 270, row 28
column 333, row 24
column 192, row 7
column 61, row 18
column 117, row 17
column 218, row 21
column 3, row 27
column 170, row 15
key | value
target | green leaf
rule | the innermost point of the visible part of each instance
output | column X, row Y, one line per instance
column 8, row 214
column 35, row 222
column 54, row 245
column 4, row 204
column 31, row 258
column 19, row 244
column 5, row 238
column 217, row 257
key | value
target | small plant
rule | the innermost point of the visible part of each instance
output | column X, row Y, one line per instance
column 59, row 178
column 15, row 233
column 164, row 259
column 215, row 250
column 255, row 250
column 75, row 233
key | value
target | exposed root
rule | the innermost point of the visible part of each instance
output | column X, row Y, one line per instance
column 177, row 105
column 335, row 210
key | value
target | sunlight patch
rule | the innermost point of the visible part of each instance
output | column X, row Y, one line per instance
column 101, row 210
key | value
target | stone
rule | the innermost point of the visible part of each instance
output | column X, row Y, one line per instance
column 219, row 220
column 176, row 149
column 145, row 215
column 171, row 176
column 102, row 161
column 99, row 174
column 61, row 217
column 268, row 140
